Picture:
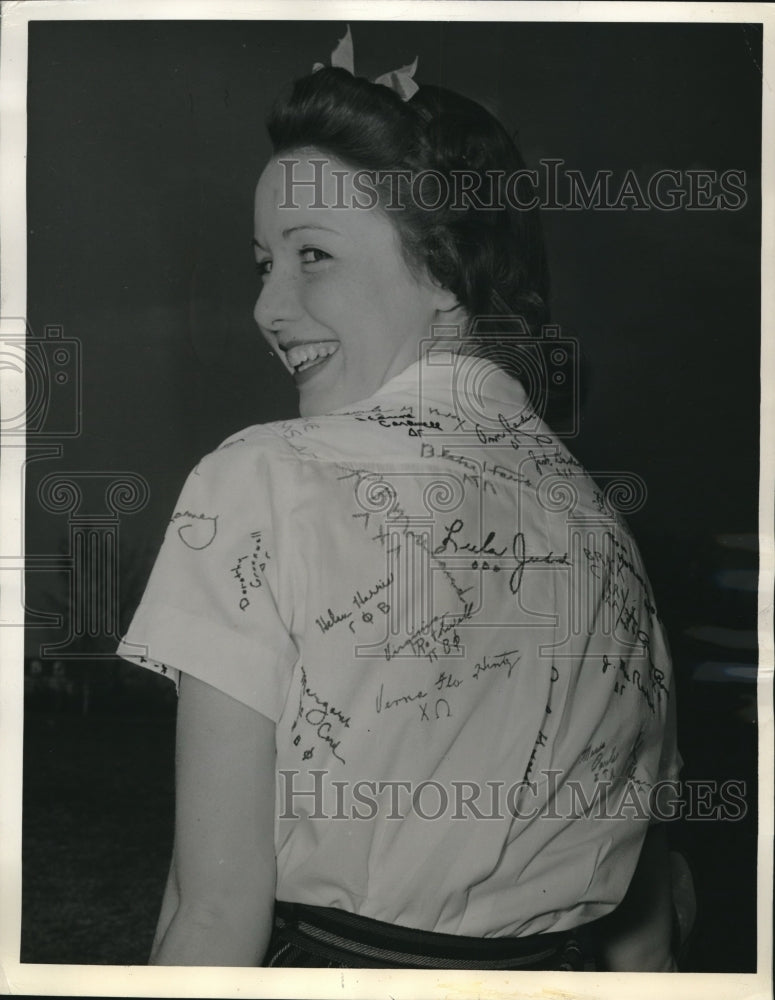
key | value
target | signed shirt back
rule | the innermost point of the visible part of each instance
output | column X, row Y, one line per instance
column 456, row 638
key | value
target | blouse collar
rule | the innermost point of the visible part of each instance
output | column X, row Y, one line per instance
column 444, row 372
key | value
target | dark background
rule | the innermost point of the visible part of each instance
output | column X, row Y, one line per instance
column 145, row 141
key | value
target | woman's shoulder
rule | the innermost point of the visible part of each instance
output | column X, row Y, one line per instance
column 258, row 442
column 283, row 449
column 252, row 456
column 361, row 434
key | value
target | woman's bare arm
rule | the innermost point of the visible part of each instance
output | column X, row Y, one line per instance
column 218, row 904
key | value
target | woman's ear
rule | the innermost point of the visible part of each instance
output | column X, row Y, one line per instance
column 450, row 312
column 446, row 302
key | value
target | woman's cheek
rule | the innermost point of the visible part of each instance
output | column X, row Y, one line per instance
column 314, row 293
column 325, row 305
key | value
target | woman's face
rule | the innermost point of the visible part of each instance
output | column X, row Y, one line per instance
column 338, row 302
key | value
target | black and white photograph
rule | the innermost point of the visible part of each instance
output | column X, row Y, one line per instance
column 387, row 497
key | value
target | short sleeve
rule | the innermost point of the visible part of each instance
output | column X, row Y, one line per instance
column 210, row 606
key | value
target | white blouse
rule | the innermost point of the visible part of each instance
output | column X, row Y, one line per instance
column 456, row 639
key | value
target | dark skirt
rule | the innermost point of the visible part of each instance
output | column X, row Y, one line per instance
column 322, row 937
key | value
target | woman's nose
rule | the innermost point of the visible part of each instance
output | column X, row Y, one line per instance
column 278, row 301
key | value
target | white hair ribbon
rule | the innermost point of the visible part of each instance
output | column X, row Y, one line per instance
column 400, row 80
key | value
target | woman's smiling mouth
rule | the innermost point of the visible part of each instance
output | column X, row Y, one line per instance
column 304, row 358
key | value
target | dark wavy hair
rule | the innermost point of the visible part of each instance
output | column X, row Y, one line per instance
column 491, row 254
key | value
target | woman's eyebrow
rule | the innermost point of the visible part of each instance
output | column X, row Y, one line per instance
column 294, row 229
column 309, row 225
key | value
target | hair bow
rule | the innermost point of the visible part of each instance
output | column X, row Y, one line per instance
column 400, row 80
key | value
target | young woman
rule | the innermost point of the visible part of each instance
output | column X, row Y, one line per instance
column 424, row 696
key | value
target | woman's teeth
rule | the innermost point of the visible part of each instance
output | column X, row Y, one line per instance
column 303, row 356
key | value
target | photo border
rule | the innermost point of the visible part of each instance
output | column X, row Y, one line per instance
column 87, row 980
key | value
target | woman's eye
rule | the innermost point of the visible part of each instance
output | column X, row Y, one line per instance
column 312, row 255
column 263, row 267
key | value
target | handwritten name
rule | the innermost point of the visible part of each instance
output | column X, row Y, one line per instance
column 359, row 599
column 198, row 531
column 510, row 658
column 651, row 688
column 514, row 432
column 403, row 699
column 589, row 751
column 478, row 471
column 431, row 639
column 616, row 560
column 250, row 579
column 400, row 420
column 296, row 428
column 322, row 716
column 602, row 764
column 450, row 541
column 326, row 622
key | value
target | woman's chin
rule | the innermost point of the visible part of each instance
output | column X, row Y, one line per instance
column 316, row 401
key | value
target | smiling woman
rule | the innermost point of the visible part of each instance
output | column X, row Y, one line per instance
column 339, row 302
column 426, row 701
